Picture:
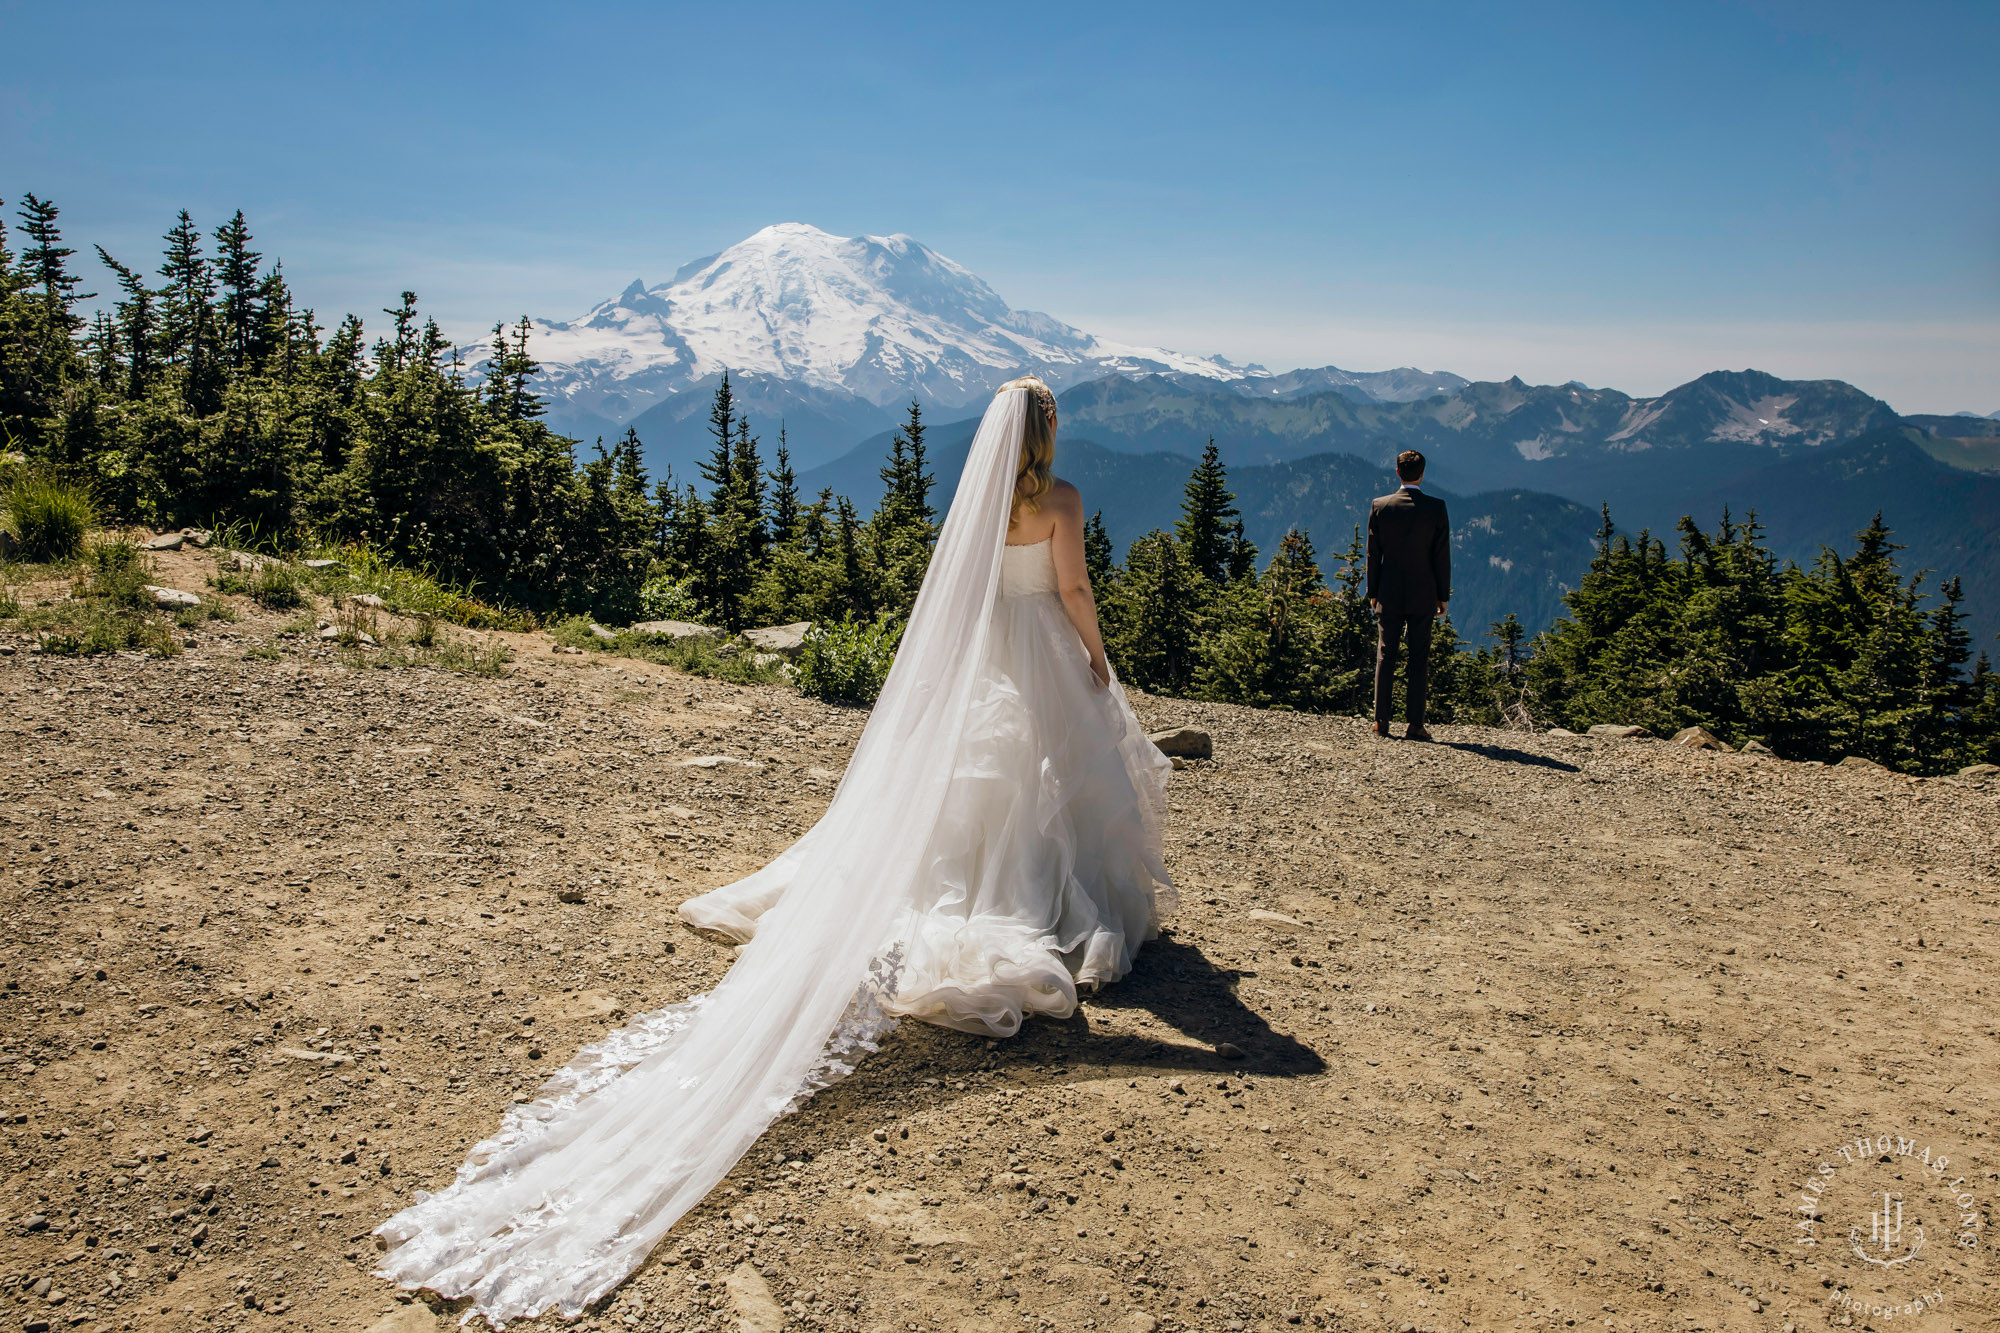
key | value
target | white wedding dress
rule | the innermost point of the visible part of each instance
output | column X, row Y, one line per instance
column 1044, row 870
column 994, row 842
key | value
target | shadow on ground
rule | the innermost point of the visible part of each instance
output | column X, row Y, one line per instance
column 1507, row 756
column 1171, row 980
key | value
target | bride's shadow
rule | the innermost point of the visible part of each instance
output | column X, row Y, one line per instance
column 1192, row 1003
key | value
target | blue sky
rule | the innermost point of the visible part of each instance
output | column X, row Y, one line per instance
column 1626, row 194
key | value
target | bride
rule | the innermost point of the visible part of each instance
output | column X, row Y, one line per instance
column 993, row 846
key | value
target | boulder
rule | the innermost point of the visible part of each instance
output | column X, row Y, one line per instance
column 198, row 537
column 598, row 631
column 172, row 596
column 675, row 630
column 1613, row 731
column 166, row 541
column 367, row 599
column 1698, row 738
column 333, row 565
column 1979, row 772
column 1857, row 763
column 785, row 639
column 1758, row 747
column 243, row 562
column 1560, row 731
column 1184, row 743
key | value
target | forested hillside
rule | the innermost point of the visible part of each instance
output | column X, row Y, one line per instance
column 204, row 394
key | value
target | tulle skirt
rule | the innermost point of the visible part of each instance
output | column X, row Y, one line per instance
column 1044, row 871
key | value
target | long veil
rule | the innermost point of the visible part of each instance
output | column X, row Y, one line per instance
column 581, row 1183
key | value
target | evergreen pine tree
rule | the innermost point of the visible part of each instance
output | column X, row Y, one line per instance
column 1155, row 636
column 188, row 332
column 719, row 468
column 856, row 593
column 45, row 262
column 236, row 269
column 45, row 318
column 1242, row 560
column 19, row 401
column 1097, row 553
column 747, row 492
column 631, row 496
column 1267, row 651
column 903, row 528
column 785, row 513
column 138, row 333
column 1204, row 528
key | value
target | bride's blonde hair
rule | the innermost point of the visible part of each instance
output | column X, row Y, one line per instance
column 1034, row 477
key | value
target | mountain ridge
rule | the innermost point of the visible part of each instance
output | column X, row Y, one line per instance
column 826, row 338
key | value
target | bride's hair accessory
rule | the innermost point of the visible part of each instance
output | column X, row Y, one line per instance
column 1034, row 475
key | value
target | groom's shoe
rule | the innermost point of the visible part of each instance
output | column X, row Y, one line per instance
column 1416, row 734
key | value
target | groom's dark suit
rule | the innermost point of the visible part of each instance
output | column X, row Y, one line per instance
column 1409, row 574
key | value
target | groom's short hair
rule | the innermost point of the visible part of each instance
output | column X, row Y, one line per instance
column 1410, row 465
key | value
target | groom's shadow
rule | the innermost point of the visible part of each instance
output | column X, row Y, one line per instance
column 1192, row 999
column 1508, row 755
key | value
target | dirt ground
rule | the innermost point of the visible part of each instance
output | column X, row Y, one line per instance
column 1518, row 1031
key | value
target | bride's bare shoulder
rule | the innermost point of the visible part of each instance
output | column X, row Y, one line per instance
column 1065, row 495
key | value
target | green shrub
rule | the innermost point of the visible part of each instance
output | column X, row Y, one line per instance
column 194, row 617
column 665, row 598
column 117, row 571
column 273, row 585
column 847, row 662
column 110, row 630
column 46, row 516
column 483, row 660
column 404, row 590
column 394, row 652
column 574, row 632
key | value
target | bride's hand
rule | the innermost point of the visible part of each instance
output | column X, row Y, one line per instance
column 1101, row 671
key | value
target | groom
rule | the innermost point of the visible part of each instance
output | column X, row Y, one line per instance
column 1409, row 582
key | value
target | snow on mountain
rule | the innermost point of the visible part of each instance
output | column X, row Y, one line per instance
column 1405, row 384
column 884, row 318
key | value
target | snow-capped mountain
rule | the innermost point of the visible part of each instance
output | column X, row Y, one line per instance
column 883, row 318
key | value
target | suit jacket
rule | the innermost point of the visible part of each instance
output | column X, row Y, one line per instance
column 1409, row 553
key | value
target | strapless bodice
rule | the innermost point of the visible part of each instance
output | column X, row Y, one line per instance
column 1028, row 569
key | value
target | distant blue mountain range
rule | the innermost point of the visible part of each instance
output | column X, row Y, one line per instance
column 1527, row 469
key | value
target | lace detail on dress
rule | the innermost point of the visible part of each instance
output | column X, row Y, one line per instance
column 1028, row 569
column 860, row 1031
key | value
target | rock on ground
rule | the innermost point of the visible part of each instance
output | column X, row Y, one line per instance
column 786, row 640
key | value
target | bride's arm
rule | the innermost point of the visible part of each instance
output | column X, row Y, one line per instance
column 1073, row 575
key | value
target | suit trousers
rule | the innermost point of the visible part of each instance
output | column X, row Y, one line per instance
column 1416, row 677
